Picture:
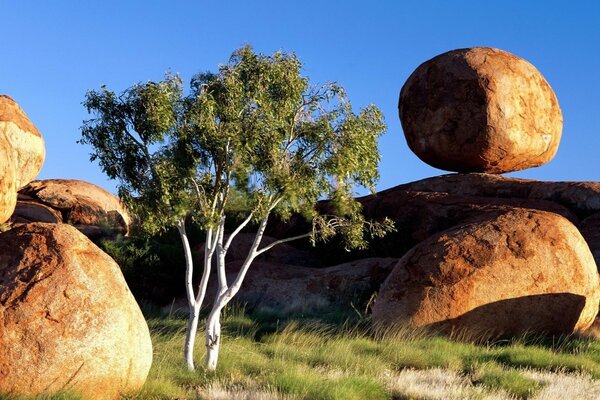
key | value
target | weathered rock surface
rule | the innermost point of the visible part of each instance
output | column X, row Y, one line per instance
column 91, row 209
column 429, row 206
column 480, row 110
column 68, row 320
column 25, row 141
column 521, row 271
column 30, row 211
column 582, row 198
column 8, row 181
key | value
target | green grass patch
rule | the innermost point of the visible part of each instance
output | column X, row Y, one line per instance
column 307, row 358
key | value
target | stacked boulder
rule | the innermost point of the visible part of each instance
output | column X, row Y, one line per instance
column 492, row 256
column 69, row 320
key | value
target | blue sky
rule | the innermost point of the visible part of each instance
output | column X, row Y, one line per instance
column 54, row 51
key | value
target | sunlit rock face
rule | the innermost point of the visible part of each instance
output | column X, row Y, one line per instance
column 25, row 140
column 68, row 320
column 523, row 271
column 96, row 212
column 8, row 180
column 480, row 110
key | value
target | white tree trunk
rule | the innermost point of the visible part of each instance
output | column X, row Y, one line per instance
column 190, row 338
column 194, row 302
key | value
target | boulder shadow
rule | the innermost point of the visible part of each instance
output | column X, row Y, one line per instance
column 542, row 314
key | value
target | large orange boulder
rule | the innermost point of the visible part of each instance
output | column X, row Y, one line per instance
column 25, row 140
column 91, row 209
column 8, row 180
column 68, row 320
column 480, row 110
column 520, row 271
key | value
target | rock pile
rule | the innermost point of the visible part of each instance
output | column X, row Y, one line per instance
column 486, row 260
column 69, row 321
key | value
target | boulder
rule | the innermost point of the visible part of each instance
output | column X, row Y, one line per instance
column 25, row 140
column 68, row 320
column 8, row 181
column 517, row 272
column 90, row 208
column 480, row 110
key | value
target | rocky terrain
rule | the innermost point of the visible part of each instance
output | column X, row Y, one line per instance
column 69, row 320
column 473, row 251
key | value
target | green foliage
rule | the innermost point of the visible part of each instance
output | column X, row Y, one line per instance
column 130, row 135
column 254, row 129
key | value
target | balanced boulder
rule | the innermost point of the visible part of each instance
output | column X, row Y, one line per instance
column 517, row 272
column 91, row 209
column 24, row 139
column 480, row 110
column 68, row 320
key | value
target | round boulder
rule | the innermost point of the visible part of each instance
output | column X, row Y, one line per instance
column 521, row 271
column 25, row 140
column 480, row 110
column 68, row 320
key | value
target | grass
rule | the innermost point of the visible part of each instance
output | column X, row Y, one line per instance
column 266, row 356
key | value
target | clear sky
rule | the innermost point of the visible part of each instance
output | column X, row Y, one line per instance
column 52, row 52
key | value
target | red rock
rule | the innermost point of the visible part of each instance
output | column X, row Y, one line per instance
column 8, row 180
column 521, row 271
column 480, row 110
column 82, row 204
column 25, row 140
column 68, row 320
column 30, row 211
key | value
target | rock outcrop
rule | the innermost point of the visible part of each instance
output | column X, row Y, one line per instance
column 480, row 110
column 68, row 320
column 521, row 271
column 91, row 209
column 24, row 139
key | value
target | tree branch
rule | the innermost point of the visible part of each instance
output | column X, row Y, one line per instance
column 237, row 230
column 280, row 241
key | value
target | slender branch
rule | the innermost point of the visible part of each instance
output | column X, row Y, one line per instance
column 237, row 283
column 237, row 230
column 280, row 241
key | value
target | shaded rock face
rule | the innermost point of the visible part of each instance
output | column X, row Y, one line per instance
column 521, row 271
column 8, row 180
column 480, row 110
column 68, row 319
column 590, row 229
column 424, row 208
column 91, row 209
column 24, row 139
column 287, row 288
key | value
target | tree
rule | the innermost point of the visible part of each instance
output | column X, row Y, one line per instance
column 255, row 127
